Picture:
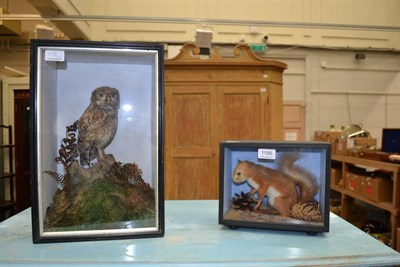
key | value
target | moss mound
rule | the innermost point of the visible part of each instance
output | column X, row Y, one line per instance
column 110, row 201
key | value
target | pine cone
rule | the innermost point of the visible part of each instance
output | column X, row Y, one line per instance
column 307, row 211
column 243, row 201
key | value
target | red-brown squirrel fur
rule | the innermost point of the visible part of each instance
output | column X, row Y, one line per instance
column 280, row 186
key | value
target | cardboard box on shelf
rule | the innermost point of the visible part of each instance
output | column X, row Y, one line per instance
column 353, row 182
column 336, row 176
column 343, row 145
column 326, row 135
column 376, row 189
column 361, row 143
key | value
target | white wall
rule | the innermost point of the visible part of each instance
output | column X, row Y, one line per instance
column 334, row 23
column 340, row 90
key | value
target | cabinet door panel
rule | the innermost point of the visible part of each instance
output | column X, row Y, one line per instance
column 191, row 110
column 189, row 148
column 243, row 112
column 192, row 178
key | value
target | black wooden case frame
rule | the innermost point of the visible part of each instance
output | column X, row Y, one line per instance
column 97, row 140
column 260, row 185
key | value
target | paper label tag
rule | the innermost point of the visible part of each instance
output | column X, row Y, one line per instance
column 291, row 136
column 266, row 153
column 54, row 55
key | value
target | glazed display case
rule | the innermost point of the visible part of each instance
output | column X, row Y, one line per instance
column 97, row 140
column 275, row 185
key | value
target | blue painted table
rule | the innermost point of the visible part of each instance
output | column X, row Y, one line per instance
column 194, row 238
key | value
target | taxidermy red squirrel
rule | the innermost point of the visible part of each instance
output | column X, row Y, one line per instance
column 284, row 188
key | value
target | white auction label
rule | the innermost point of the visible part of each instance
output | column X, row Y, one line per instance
column 264, row 153
column 54, row 55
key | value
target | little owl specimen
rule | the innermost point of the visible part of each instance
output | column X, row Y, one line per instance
column 98, row 124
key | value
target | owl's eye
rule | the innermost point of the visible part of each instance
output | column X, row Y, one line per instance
column 114, row 95
column 101, row 94
column 238, row 173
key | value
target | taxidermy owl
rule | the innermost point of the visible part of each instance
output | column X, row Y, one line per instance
column 98, row 124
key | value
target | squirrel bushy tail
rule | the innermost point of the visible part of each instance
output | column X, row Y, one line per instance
column 305, row 180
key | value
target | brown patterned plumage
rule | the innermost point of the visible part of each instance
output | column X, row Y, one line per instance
column 98, row 124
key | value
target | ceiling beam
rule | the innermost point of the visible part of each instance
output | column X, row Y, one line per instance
column 48, row 9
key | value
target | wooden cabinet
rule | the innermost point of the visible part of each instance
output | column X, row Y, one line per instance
column 211, row 100
column 351, row 187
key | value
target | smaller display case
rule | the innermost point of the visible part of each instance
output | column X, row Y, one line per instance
column 275, row 185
